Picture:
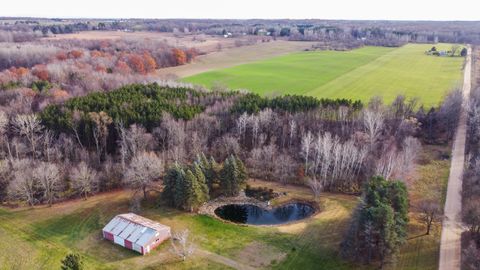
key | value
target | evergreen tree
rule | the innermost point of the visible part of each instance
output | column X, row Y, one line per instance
column 170, row 183
column 209, row 168
column 202, row 160
column 180, row 189
column 194, row 195
column 226, row 178
column 72, row 262
column 213, row 174
column 201, row 182
column 185, row 189
column 243, row 174
column 379, row 224
column 233, row 176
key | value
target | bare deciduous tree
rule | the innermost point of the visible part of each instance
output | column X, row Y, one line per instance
column 292, row 131
column 373, row 122
column 84, row 179
column 242, row 125
column 75, row 125
column 23, row 185
column 181, row 246
column 283, row 168
column 408, row 156
column 431, row 212
column 3, row 133
column 387, row 164
column 28, row 126
column 132, row 141
column 101, row 122
column 307, row 141
column 144, row 168
column 316, row 186
column 48, row 176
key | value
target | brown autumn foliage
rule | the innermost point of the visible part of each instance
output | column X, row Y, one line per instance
column 135, row 62
column 19, row 72
column 100, row 68
column 96, row 53
column 122, row 67
column 179, row 56
column 59, row 95
column 62, row 56
column 75, row 54
column 41, row 72
column 150, row 64
column 81, row 66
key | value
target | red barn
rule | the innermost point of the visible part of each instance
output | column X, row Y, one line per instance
column 135, row 232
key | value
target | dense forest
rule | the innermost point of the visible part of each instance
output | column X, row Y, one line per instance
column 333, row 145
column 54, row 71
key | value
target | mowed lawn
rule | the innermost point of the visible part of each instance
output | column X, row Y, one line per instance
column 39, row 238
column 357, row 74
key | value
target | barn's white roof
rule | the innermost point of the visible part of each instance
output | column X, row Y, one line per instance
column 135, row 228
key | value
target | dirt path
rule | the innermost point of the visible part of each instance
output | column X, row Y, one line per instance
column 450, row 245
column 223, row 260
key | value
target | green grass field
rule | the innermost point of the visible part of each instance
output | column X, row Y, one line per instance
column 39, row 238
column 358, row 74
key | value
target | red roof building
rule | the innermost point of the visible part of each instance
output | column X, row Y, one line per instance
column 136, row 232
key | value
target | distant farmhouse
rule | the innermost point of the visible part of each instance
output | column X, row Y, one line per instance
column 135, row 232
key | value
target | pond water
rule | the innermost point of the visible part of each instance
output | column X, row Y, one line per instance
column 252, row 214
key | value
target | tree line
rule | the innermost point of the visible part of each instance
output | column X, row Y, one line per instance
column 104, row 134
column 470, row 189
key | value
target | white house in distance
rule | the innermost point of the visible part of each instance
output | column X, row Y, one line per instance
column 135, row 232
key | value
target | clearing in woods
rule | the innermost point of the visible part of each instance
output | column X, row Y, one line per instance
column 38, row 238
column 357, row 74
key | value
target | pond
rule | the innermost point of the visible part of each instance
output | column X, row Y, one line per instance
column 252, row 214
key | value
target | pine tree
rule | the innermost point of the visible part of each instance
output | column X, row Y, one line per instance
column 72, row 262
column 379, row 224
column 180, row 188
column 202, row 160
column 213, row 174
column 210, row 170
column 169, row 181
column 226, row 178
column 194, row 195
column 243, row 174
column 201, row 182
column 233, row 176
column 189, row 191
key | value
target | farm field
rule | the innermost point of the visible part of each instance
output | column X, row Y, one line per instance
column 204, row 43
column 233, row 56
column 358, row 74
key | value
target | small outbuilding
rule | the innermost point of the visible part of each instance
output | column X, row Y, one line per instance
column 136, row 232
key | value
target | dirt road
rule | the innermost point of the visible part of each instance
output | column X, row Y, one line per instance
column 223, row 260
column 450, row 246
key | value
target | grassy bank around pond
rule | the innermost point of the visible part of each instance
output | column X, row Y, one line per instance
column 39, row 237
